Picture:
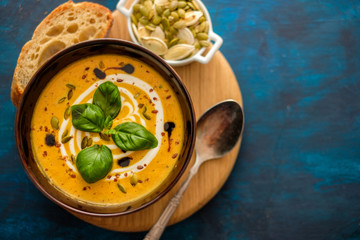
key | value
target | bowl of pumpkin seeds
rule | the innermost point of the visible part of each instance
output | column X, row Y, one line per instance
column 180, row 31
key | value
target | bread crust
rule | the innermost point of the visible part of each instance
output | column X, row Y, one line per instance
column 22, row 75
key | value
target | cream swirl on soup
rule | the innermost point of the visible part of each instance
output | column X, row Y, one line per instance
column 134, row 114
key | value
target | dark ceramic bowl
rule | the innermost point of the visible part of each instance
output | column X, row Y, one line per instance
column 42, row 78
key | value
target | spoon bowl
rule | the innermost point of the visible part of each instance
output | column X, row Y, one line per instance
column 218, row 131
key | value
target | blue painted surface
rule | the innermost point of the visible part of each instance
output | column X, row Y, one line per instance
column 297, row 174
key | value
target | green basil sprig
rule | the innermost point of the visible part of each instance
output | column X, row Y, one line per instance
column 131, row 136
column 87, row 117
column 94, row 163
column 107, row 97
column 99, row 115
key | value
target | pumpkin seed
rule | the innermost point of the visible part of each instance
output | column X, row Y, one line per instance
column 150, row 28
column 202, row 27
column 142, row 32
column 173, row 5
column 161, row 2
column 152, row 25
column 192, row 17
column 89, row 142
column 73, row 158
column 148, row 4
column 70, row 86
column 70, row 94
column 179, row 51
column 55, row 123
column 181, row 4
column 191, row 5
column 185, row 35
column 181, row 13
column 156, row 20
column 67, row 113
column 173, row 30
column 175, row 16
column 144, row 20
column 158, row 33
column 84, row 142
column 202, row 19
column 173, row 42
column 144, row 11
column 138, row 16
column 159, row 9
column 65, row 133
column 134, row 19
column 204, row 43
column 145, row 114
column 134, row 179
column 206, row 28
column 196, row 5
column 121, row 187
column 197, row 45
column 165, row 23
column 183, row 41
column 136, row 33
column 136, row 8
column 179, row 24
column 66, row 139
column 168, row 35
column 155, row 44
column 104, row 137
column 202, row 36
column 167, row 13
column 151, row 14
column 61, row 99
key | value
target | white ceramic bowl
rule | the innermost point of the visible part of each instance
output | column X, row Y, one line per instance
column 213, row 37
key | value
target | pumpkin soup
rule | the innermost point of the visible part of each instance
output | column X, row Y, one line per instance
column 107, row 129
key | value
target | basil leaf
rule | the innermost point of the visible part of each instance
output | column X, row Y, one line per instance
column 131, row 136
column 87, row 117
column 94, row 163
column 108, row 122
column 107, row 97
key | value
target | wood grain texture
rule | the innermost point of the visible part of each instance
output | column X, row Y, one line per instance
column 207, row 85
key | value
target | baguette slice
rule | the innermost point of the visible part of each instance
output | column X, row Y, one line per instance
column 66, row 25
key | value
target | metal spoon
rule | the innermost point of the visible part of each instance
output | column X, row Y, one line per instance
column 218, row 131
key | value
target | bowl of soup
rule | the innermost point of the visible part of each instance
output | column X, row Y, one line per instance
column 105, row 128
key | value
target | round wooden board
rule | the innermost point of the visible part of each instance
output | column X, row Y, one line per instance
column 207, row 84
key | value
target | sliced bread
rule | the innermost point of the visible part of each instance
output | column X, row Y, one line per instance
column 66, row 25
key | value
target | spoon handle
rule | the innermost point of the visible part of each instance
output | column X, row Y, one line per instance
column 157, row 230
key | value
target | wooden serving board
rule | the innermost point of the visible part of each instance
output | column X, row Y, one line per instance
column 207, row 84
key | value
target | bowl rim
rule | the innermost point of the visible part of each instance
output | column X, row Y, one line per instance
column 68, row 50
column 181, row 62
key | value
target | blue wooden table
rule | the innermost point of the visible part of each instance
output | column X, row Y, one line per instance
column 298, row 172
